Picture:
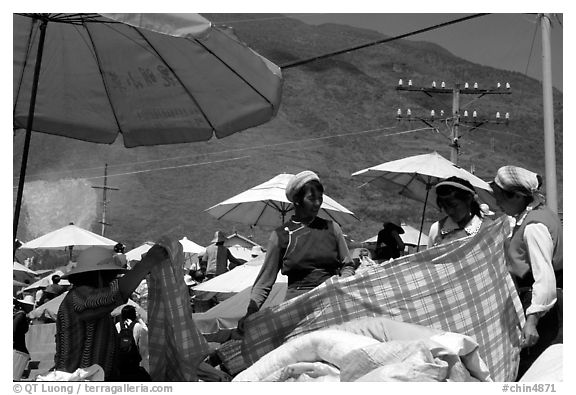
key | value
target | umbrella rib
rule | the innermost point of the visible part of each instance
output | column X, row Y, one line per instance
column 175, row 75
column 229, row 211
column 232, row 70
column 28, row 49
column 103, row 79
column 260, row 215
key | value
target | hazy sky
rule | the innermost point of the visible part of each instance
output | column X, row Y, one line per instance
column 505, row 41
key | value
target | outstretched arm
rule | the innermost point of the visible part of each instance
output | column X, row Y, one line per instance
column 130, row 281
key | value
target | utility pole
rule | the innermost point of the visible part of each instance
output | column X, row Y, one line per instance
column 456, row 125
column 549, row 144
column 105, row 202
column 456, row 118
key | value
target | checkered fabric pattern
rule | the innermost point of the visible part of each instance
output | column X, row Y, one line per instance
column 512, row 178
column 175, row 344
column 461, row 287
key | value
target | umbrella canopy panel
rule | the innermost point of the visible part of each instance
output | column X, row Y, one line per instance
column 190, row 247
column 266, row 205
column 70, row 235
column 177, row 80
column 135, row 254
column 414, row 176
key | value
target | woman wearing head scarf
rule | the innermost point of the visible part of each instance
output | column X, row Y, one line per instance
column 457, row 198
column 534, row 257
column 308, row 249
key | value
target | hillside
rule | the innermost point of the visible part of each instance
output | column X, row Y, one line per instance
column 337, row 116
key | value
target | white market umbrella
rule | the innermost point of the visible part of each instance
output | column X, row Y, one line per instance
column 18, row 267
column 237, row 279
column 70, row 236
column 21, row 273
column 45, row 281
column 266, row 205
column 190, row 247
column 135, row 254
column 410, row 236
column 416, row 176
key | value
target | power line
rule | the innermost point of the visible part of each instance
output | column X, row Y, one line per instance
column 267, row 146
column 434, row 27
column 531, row 47
column 228, row 151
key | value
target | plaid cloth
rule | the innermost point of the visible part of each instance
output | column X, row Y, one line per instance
column 176, row 346
column 462, row 287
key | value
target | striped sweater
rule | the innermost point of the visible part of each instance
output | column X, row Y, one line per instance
column 85, row 333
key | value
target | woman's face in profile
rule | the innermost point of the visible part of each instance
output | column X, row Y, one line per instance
column 311, row 201
column 457, row 209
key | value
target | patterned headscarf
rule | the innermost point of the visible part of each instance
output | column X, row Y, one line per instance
column 298, row 181
column 513, row 178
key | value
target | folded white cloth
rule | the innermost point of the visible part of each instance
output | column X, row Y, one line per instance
column 91, row 373
column 323, row 345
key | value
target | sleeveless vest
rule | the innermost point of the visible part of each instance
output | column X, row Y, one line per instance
column 517, row 251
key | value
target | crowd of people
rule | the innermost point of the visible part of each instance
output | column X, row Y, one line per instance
column 309, row 250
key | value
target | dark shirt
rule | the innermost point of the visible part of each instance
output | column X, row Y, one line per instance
column 20, row 328
column 389, row 244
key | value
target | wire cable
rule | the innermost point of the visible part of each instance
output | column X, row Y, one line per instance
column 266, row 147
column 532, row 46
column 386, row 40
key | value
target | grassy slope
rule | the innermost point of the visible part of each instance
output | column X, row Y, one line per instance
column 325, row 105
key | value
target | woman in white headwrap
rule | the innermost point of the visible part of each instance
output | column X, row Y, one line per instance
column 534, row 257
column 457, row 198
column 308, row 249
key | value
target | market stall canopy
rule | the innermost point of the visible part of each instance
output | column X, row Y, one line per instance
column 237, row 279
column 266, row 205
column 226, row 314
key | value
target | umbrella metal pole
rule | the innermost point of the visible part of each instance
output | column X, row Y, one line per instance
column 422, row 222
column 43, row 26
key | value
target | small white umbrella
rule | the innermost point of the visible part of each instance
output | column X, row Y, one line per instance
column 21, row 268
column 45, row 281
column 237, row 279
column 191, row 247
column 70, row 236
column 22, row 273
column 266, row 205
column 135, row 254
